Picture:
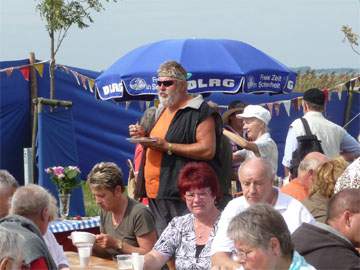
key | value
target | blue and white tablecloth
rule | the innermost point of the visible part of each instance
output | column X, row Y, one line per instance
column 73, row 225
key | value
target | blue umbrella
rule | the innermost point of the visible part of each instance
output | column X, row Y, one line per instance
column 213, row 65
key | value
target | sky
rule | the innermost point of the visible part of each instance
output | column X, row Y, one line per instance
column 295, row 32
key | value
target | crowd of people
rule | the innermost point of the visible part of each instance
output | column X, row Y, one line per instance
column 186, row 172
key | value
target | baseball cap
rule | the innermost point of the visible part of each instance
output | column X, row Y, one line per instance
column 314, row 95
column 256, row 111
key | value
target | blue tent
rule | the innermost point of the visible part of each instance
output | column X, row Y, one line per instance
column 101, row 127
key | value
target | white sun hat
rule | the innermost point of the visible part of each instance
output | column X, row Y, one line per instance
column 256, row 111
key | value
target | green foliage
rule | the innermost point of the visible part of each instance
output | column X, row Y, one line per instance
column 310, row 79
column 91, row 208
column 60, row 15
column 65, row 178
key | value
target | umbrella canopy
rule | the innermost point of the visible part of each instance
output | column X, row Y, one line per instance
column 213, row 65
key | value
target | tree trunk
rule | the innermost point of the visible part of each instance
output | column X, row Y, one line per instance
column 52, row 66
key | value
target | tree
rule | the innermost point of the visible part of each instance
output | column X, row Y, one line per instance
column 59, row 16
column 351, row 37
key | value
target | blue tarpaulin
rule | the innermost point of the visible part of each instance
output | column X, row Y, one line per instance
column 56, row 146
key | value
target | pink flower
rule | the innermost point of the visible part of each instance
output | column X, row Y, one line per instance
column 58, row 171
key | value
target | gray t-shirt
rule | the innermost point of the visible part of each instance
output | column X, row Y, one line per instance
column 138, row 220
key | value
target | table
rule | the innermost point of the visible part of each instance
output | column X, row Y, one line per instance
column 63, row 228
column 96, row 263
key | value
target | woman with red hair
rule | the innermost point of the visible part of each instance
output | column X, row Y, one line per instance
column 188, row 238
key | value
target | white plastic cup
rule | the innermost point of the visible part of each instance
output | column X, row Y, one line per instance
column 137, row 261
column 124, row 262
column 84, row 255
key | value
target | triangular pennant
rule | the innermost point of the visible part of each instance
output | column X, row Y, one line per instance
column 287, row 105
column 352, row 84
column 91, row 83
column 299, row 103
column 76, row 76
column 40, row 69
column 340, row 94
column 147, row 104
column 270, row 107
column 9, row 71
column 25, row 71
column 277, row 108
column 156, row 102
column 83, row 80
column 294, row 103
column 127, row 104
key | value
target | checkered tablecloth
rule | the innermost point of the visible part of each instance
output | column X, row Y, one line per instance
column 72, row 225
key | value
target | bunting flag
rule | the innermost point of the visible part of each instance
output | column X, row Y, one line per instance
column 91, row 83
column 40, row 69
column 83, row 80
column 339, row 92
column 75, row 75
column 277, row 108
column 287, row 105
column 270, row 107
column 147, row 104
column 9, row 70
column 299, row 104
column 25, row 71
column 294, row 103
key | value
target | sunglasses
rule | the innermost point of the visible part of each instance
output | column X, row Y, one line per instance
column 165, row 83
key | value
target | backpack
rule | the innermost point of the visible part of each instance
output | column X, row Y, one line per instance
column 306, row 144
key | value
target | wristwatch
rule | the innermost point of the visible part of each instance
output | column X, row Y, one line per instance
column 169, row 151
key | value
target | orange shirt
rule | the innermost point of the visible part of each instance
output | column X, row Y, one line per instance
column 296, row 190
column 154, row 157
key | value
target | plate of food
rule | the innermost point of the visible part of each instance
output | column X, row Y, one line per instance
column 141, row 139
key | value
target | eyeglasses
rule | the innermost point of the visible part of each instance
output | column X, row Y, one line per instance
column 165, row 83
column 241, row 256
column 201, row 195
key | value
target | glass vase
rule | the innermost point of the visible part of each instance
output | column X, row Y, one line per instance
column 64, row 205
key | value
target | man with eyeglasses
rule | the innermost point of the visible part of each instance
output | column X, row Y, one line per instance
column 256, row 177
column 185, row 129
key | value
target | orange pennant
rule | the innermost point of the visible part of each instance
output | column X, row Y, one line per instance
column 25, row 71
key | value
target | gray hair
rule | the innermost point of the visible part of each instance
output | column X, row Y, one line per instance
column 172, row 69
column 30, row 200
column 347, row 199
column 257, row 225
column 106, row 175
column 309, row 164
column 265, row 165
column 10, row 244
column 7, row 180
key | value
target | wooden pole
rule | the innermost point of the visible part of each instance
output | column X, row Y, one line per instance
column 33, row 114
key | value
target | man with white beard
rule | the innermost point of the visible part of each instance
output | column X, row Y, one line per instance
column 185, row 129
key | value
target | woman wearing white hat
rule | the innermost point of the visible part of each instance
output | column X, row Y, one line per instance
column 258, row 143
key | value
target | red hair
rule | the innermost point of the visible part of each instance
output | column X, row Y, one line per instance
column 196, row 175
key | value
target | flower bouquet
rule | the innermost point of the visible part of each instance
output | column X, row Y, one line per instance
column 65, row 179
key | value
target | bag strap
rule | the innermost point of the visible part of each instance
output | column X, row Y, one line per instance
column 306, row 126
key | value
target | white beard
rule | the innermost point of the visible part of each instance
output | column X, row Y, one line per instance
column 171, row 99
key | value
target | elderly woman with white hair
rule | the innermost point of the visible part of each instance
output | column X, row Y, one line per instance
column 262, row 241
column 259, row 142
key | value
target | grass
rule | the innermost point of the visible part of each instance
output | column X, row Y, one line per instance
column 91, row 209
